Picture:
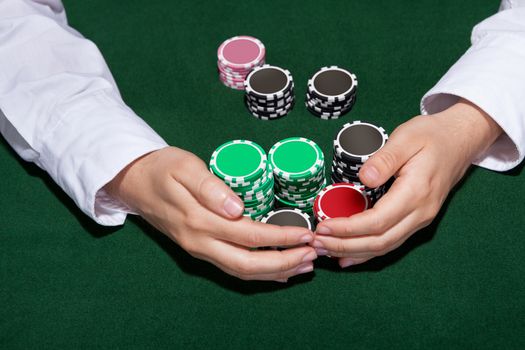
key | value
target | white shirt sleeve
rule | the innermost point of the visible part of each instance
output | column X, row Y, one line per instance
column 491, row 74
column 61, row 109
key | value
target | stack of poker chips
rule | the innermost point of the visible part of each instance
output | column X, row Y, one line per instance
column 236, row 57
column 269, row 92
column 288, row 217
column 353, row 145
column 331, row 92
column 298, row 168
column 244, row 167
column 340, row 200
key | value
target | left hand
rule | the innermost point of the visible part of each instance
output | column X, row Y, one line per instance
column 428, row 155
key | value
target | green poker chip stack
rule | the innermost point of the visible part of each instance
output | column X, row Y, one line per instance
column 244, row 167
column 299, row 172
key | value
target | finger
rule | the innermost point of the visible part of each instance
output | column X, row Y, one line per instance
column 346, row 262
column 362, row 246
column 209, row 190
column 401, row 146
column 281, row 277
column 249, row 233
column 246, row 264
column 244, row 232
column 393, row 207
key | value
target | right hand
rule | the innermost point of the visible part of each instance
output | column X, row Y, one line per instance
column 175, row 192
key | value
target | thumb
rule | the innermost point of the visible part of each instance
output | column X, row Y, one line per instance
column 207, row 189
column 389, row 159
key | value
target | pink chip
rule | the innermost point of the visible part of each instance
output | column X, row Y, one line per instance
column 241, row 52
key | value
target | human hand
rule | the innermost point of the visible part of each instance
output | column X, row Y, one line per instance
column 176, row 193
column 427, row 155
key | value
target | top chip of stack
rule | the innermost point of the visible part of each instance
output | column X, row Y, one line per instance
column 269, row 92
column 243, row 165
column 298, row 168
column 340, row 200
column 354, row 143
column 236, row 57
column 288, row 217
column 331, row 92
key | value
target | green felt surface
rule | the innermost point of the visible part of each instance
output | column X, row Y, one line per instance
column 66, row 282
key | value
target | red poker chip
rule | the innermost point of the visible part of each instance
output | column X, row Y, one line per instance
column 340, row 200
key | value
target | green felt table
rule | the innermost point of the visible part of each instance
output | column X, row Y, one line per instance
column 66, row 282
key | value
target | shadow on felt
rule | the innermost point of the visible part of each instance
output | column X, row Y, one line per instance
column 34, row 171
column 419, row 238
column 208, row 271
column 185, row 261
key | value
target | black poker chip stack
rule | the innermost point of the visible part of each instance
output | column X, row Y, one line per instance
column 354, row 144
column 269, row 92
column 331, row 92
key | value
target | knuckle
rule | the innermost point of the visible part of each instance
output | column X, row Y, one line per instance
column 244, row 267
column 427, row 218
column 378, row 245
column 339, row 247
column 282, row 275
column 403, row 127
column 435, row 207
column 186, row 161
column 206, row 184
column 387, row 158
column 286, row 238
column 377, row 224
column 285, row 265
column 188, row 245
column 243, row 277
column 195, row 221
column 254, row 239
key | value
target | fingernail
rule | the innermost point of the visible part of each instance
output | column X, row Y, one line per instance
column 309, row 257
column 306, row 238
column 317, row 244
column 305, row 268
column 345, row 263
column 371, row 174
column 233, row 206
column 321, row 251
column 323, row 230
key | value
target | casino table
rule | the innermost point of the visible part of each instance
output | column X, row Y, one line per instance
column 66, row 282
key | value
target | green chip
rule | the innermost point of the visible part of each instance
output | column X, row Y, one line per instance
column 294, row 204
column 239, row 161
column 296, row 158
column 263, row 192
column 264, row 208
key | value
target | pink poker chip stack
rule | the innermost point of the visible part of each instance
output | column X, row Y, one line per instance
column 236, row 57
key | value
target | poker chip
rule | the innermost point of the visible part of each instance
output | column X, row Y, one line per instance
column 331, row 93
column 298, row 169
column 288, row 217
column 269, row 92
column 236, row 57
column 353, row 145
column 357, row 141
column 340, row 200
column 243, row 165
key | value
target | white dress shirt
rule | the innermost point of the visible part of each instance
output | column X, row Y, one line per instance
column 61, row 109
column 491, row 74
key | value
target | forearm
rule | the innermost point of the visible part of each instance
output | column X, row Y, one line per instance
column 61, row 108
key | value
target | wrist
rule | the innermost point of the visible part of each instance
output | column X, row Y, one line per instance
column 478, row 130
column 120, row 187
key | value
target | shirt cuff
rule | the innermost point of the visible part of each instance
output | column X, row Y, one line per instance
column 495, row 88
column 96, row 138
